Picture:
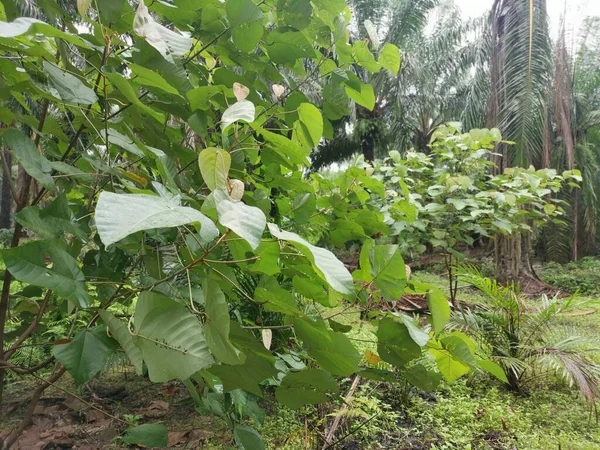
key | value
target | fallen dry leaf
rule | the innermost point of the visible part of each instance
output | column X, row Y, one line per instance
column 157, row 409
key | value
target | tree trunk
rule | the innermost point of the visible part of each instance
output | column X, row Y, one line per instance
column 6, row 195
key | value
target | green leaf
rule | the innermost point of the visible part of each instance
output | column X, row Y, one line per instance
column 418, row 335
column 126, row 89
column 310, row 126
column 420, row 377
column 170, row 338
column 242, row 11
column 268, row 262
column 340, row 327
column 83, row 5
column 307, row 387
column 364, row 95
column 69, row 88
column 247, row 36
column 119, row 331
column 439, row 309
column 147, row 435
column 388, row 271
column 395, row 344
column 332, row 350
column 170, row 44
column 312, row 289
column 247, row 438
column 294, row 13
column 27, row 25
column 151, row 78
column 247, row 376
column 461, row 347
column 51, row 222
column 286, row 46
column 246, row 221
column 119, row 215
column 241, row 110
column 448, row 366
column 28, row 155
column 86, row 354
column 214, row 167
column 217, row 325
column 27, row 263
column 364, row 57
column 389, row 58
column 492, row 368
column 323, row 261
column 276, row 299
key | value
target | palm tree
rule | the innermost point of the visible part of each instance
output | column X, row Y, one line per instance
column 520, row 68
column 573, row 141
column 526, row 340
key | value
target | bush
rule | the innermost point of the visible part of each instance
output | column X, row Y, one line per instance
column 582, row 276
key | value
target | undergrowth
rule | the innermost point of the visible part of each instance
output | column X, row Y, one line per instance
column 582, row 276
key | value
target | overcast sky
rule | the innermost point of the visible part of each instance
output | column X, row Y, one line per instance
column 577, row 10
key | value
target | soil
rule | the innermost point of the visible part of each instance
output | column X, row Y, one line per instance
column 62, row 421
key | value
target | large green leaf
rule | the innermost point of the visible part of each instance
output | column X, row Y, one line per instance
column 214, row 166
column 294, row 13
column 276, row 299
column 119, row 215
column 217, row 325
column 383, row 266
column 364, row 57
column 120, row 332
column 246, row 221
column 389, row 58
column 69, row 88
column 286, row 46
column 151, row 78
column 247, row 438
column 153, row 435
column 308, row 387
column 395, row 344
column 310, row 126
column 448, row 366
column 28, row 25
column 51, row 222
column 242, row 11
column 170, row 44
column 247, row 376
column 30, row 158
column 439, row 309
column 86, row 354
column 364, row 95
column 247, row 36
column 332, row 350
column 492, row 368
column 124, row 87
column 241, row 110
column 27, row 263
column 419, row 376
column 324, row 262
column 170, row 338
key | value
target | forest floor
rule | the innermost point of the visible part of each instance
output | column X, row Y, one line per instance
column 478, row 413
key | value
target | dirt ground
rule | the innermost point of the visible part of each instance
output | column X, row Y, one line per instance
column 62, row 421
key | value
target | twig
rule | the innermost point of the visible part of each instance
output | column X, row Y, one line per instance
column 338, row 419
